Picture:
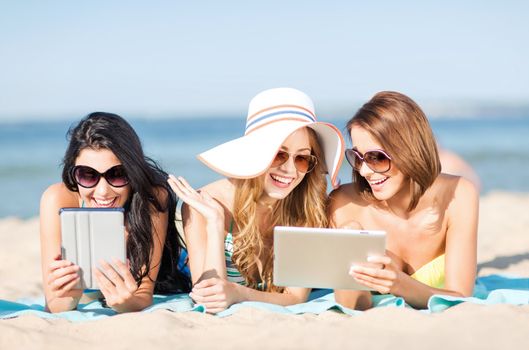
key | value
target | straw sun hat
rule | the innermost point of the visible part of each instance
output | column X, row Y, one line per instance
column 272, row 116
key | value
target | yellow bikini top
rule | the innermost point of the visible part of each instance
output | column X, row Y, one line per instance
column 432, row 273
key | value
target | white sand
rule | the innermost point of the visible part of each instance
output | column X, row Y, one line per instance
column 503, row 248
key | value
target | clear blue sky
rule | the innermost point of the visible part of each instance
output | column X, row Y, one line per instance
column 64, row 58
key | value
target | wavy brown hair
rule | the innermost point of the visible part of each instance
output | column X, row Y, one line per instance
column 403, row 130
column 304, row 206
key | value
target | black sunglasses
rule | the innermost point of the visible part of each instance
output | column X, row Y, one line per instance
column 88, row 177
column 376, row 160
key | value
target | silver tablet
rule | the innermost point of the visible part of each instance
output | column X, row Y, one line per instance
column 321, row 257
column 89, row 235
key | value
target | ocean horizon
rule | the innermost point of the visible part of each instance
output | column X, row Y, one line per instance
column 31, row 152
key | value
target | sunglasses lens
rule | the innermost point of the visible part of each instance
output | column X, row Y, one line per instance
column 354, row 159
column 117, row 177
column 304, row 163
column 86, row 176
column 377, row 161
column 280, row 159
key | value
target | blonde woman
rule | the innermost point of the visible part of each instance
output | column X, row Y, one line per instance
column 275, row 176
column 430, row 217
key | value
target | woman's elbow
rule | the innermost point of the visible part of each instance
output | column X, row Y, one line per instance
column 357, row 300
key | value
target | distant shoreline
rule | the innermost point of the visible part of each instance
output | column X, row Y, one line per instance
column 434, row 111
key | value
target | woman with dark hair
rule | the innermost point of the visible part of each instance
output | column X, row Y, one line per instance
column 104, row 166
column 430, row 217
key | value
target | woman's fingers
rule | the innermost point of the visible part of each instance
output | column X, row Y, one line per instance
column 203, row 286
column 69, row 287
column 175, row 185
column 62, row 282
column 124, row 272
column 372, row 284
column 186, row 185
column 374, row 272
column 379, row 259
column 188, row 195
column 215, row 307
column 107, row 287
column 112, row 275
column 59, row 264
column 60, row 273
column 200, row 299
column 180, row 185
column 56, row 272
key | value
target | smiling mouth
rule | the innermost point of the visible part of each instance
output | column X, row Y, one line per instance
column 100, row 203
column 281, row 179
column 378, row 182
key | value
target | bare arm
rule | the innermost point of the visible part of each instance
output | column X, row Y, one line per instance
column 204, row 227
column 59, row 277
column 341, row 215
column 460, row 251
column 461, row 239
column 217, row 294
column 118, row 285
column 460, row 256
column 204, row 222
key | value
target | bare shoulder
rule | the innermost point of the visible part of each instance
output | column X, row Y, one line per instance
column 455, row 191
column 345, row 207
column 344, row 195
column 456, row 185
column 54, row 198
column 222, row 190
column 58, row 196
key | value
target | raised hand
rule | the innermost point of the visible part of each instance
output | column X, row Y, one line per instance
column 201, row 201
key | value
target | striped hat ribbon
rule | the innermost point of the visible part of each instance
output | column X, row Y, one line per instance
column 278, row 113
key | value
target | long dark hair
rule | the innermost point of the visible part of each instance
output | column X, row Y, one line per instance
column 101, row 130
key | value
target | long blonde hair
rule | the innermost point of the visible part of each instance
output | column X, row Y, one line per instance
column 304, row 206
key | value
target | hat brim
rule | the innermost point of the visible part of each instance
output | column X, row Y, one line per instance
column 251, row 155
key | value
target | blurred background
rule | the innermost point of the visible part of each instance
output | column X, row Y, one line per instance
column 183, row 73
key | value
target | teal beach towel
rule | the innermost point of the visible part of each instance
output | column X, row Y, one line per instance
column 489, row 290
column 93, row 310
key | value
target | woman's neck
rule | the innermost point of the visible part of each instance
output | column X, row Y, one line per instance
column 399, row 203
column 266, row 202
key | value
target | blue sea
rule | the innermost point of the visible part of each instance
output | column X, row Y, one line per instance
column 31, row 152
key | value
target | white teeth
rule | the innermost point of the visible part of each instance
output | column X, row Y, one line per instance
column 284, row 180
column 104, row 203
column 378, row 182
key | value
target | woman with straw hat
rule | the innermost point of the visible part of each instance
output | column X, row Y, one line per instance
column 275, row 176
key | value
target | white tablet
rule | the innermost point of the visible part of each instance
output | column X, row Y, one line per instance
column 89, row 235
column 321, row 257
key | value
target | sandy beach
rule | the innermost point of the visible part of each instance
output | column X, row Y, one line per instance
column 503, row 247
